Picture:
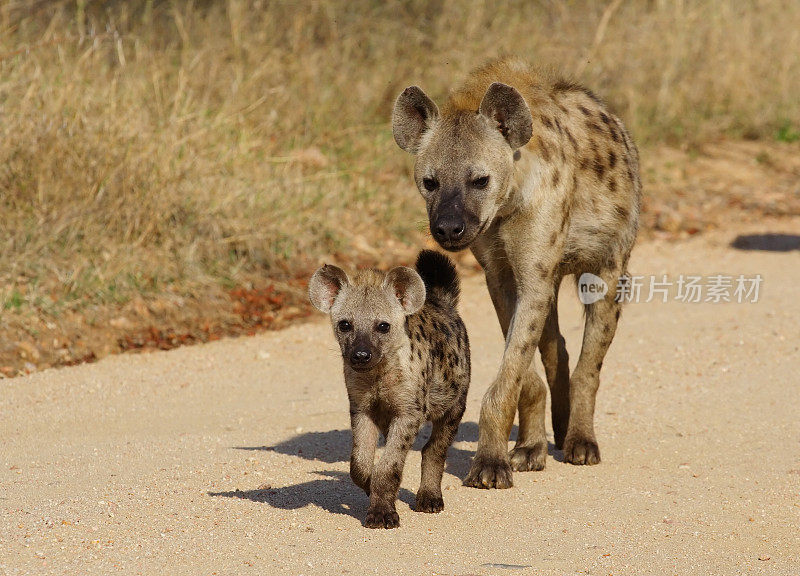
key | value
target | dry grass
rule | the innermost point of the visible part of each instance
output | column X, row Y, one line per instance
column 156, row 147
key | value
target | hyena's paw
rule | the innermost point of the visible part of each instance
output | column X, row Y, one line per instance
column 429, row 502
column 581, row 450
column 489, row 473
column 528, row 458
column 382, row 517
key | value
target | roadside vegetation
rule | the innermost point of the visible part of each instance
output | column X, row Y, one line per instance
column 171, row 170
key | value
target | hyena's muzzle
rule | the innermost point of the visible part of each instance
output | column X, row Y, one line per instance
column 452, row 225
column 361, row 353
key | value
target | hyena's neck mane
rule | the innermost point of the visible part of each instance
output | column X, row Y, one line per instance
column 531, row 83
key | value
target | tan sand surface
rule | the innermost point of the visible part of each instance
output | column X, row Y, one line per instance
column 232, row 457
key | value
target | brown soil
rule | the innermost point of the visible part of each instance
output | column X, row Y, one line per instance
column 687, row 192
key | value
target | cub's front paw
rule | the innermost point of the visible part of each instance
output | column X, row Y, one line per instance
column 489, row 473
column 382, row 517
column 528, row 458
column 581, row 450
column 429, row 502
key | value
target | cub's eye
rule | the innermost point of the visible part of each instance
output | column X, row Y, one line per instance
column 383, row 327
column 430, row 184
column 480, row 182
column 344, row 326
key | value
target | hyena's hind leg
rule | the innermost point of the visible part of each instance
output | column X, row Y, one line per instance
column 434, row 454
column 580, row 444
column 556, row 367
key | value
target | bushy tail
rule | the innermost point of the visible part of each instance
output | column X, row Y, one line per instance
column 440, row 277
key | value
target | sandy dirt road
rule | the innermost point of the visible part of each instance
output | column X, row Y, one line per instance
column 231, row 458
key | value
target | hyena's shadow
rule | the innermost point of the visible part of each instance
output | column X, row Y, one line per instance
column 333, row 446
column 335, row 493
column 330, row 446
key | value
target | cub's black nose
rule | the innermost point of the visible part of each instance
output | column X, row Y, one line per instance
column 360, row 356
column 448, row 228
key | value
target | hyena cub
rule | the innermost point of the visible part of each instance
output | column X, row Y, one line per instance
column 406, row 362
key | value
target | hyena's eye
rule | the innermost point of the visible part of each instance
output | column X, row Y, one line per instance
column 344, row 326
column 383, row 327
column 430, row 184
column 481, row 182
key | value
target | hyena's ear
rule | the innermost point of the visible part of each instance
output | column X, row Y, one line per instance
column 413, row 114
column 407, row 286
column 325, row 285
column 508, row 108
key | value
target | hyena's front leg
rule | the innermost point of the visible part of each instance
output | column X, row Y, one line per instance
column 580, row 445
column 556, row 366
column 534, row 265
column 388, row 473
column 491, row 467
column 362, row 456
column 434, row 454
column 530, row 451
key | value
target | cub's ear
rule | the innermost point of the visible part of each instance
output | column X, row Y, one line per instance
column 325, row 285
column 407, row 286
column 508, row 108
column 414, row 113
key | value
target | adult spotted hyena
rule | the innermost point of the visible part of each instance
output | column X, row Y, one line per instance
column 540, row 180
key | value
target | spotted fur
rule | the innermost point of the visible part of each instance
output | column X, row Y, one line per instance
column 418, row 372
column 540, row 180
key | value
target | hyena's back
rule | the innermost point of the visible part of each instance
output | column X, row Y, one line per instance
column 439, row 342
